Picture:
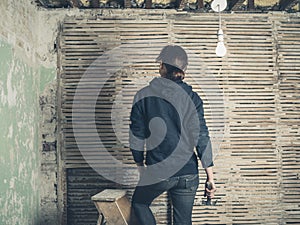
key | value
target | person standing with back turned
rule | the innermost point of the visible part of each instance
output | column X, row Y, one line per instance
column 168, row 118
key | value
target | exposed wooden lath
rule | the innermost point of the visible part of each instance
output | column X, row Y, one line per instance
column 289, row 89
column 257, row 168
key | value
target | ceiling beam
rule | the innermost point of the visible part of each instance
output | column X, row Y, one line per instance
column 251, row 5
column 127, row 4
column 75, row 3
column 94, row 3
column 235, row 4
column 283, row 4
column 148, row 4
column 54, row 3
column 180, row 4
column 200, row 4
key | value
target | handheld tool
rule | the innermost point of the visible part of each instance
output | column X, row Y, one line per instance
column 208, row 201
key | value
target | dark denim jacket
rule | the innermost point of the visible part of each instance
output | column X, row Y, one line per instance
column 161, row 119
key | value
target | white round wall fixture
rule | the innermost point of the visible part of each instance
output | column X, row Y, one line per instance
column 219, row 5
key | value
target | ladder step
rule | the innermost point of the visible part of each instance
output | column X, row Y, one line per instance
column 114, row 205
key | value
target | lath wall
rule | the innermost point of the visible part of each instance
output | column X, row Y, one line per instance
column 251, row 101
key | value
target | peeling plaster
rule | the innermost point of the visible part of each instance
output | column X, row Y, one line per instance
column 10, row 132
column 32, row 30
column 11, row 96
column 19, row 156
column 27, row 37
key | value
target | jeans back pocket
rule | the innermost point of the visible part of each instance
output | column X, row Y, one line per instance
column 192, row 181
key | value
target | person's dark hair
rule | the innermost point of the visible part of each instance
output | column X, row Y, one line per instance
column 173, row 73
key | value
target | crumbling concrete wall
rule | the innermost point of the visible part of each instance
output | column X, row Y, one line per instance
column 28, row 135
column 48, row 130
column 28, row 163
column 28, row 174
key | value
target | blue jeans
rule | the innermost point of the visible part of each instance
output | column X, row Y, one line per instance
column 182, row 191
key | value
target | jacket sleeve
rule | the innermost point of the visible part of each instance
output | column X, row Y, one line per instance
column 137, row 132
column 203, row 146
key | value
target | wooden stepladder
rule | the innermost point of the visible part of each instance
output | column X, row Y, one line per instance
column 115, row 207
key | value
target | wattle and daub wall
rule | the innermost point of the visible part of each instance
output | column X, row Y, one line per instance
column 251, row 99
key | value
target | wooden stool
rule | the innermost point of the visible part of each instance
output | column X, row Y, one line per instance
column 115, row 207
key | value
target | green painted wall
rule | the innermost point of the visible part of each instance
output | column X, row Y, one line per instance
column 20, row 86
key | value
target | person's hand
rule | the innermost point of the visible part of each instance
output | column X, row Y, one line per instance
column 210, row 189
